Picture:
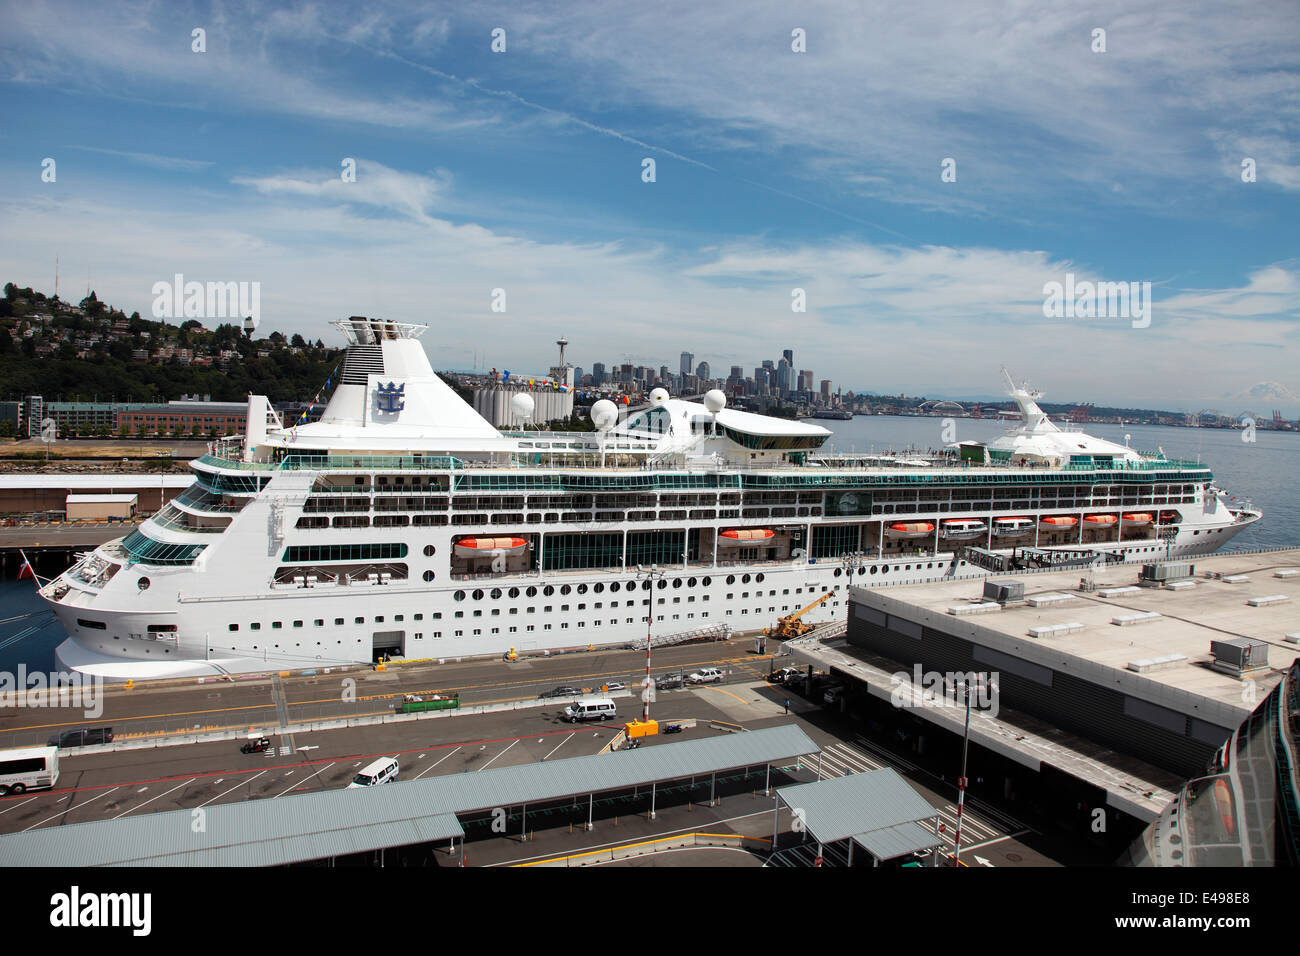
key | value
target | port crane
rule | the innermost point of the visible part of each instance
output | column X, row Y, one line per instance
column 790, row 625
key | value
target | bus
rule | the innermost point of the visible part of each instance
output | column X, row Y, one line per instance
column 27, row 769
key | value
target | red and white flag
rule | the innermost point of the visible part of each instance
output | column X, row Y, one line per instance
column 25, row 570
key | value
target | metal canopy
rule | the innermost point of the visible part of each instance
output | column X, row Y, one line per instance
column 336, row 822
column 901, row 839
column 858, row 803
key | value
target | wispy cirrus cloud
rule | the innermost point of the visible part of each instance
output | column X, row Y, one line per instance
column 153, row 160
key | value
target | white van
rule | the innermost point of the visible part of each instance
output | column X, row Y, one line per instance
column 597, row 708
column 376, row 772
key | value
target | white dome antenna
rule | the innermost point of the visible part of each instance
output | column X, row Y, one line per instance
column 658, row 396
column 715, row 400
column 522, row 406
column 604, row 415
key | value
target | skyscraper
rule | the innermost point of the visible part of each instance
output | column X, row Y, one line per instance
column 702, row 371
column 688, row 359
column 788, row 355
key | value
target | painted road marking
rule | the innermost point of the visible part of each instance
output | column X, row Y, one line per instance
column 434, row 764
column 559, row 745
column 159, row 797
column 17, row 805
column 61, row 812
column 486, row 765
column 234, row 788
column 304, row 780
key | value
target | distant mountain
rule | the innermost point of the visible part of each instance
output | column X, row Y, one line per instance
column 1267, row 392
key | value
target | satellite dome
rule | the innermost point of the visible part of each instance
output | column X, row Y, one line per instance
column 714, row 400
column 522, row 405
column 658, row 396
column 604, row 415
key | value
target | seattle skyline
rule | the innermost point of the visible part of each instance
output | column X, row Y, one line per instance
column 915, row 176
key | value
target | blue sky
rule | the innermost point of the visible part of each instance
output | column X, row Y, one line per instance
column 775, row 170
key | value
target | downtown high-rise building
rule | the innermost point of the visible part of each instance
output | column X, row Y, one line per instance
column 702, row 371
column 688, row 360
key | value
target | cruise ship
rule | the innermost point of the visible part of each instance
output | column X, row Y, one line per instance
column 403, row 525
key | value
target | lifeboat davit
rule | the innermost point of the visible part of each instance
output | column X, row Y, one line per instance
column 744, row 535
column 478, row 547
column 910, row 529
column 960, row 529
column 1137, row 518
column 1012, row 527
column 1057, row 523
column 1099, row 521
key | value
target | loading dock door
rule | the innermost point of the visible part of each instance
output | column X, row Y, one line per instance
column 389, row 642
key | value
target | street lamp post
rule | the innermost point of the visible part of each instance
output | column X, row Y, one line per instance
column 649, row 576
column 961, row 781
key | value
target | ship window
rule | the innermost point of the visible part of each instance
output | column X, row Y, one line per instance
column 379, row 619
column 256, row 626
column 359, row 620
column 297, row 623
column 338, row 621
column 419, row 617
column 276, row 625
column 229, row 627
column 436, row 615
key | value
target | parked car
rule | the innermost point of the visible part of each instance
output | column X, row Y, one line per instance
column 668, row 682
column 833, row 694
column 85, row 737
column 783, row 675
column 564, row 690
column 616, row 685
column 706, row 675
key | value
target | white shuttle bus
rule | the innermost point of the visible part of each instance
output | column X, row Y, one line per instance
column 28, row 769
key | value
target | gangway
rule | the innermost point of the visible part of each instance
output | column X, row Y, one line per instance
column 714, row 632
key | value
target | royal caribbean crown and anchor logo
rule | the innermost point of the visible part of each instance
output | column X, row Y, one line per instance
column 390, row 398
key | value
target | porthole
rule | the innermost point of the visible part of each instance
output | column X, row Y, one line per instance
column 662, row 584
column 838, row 572
column 707, row 581
column 731, row 579
column 429, row 550
column 565, row 589
column 548, row 590
column 478, row 594
column 582, row 589
column 496, row 594
column 143, row 584
column 874, row 569
column 531, row 592
column 690, row 582
column 598, row 587
column 744, row 579
column 613, row 588
column 513, row 592
column 428, row 576
column 459, row 595
column 759, row 577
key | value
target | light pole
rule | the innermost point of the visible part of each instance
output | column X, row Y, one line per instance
column 961, row 781
column 649, row 576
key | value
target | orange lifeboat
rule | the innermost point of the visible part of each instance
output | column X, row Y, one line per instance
column 1099, row 521
column 478, row 547
column 1137, row 518
column 744, row 535
column 1057, row 523
column 910, row 529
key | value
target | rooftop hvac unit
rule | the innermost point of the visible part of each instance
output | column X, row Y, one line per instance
column 1004, row 591
column 1239, row 656
column 1157, row 574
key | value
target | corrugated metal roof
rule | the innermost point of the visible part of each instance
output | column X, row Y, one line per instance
column 856, row 803
column 899, row 840
column 336, row 822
